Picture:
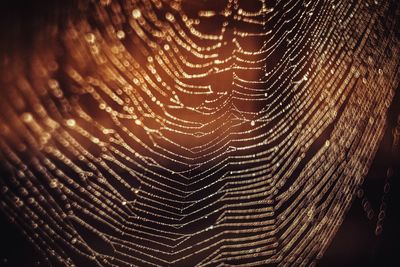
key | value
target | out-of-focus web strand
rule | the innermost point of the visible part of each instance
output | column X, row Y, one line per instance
column 148, row 146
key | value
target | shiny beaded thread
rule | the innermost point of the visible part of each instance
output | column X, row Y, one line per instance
column 208, row 133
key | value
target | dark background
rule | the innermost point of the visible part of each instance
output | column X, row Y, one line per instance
column 354, row 245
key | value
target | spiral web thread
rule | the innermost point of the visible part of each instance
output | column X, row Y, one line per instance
column 180, row 133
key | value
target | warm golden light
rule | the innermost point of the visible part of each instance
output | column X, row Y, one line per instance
column 207, row 133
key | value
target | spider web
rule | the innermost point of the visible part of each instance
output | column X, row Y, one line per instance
column 208, row 133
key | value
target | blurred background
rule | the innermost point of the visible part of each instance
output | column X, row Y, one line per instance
column 355, row 244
